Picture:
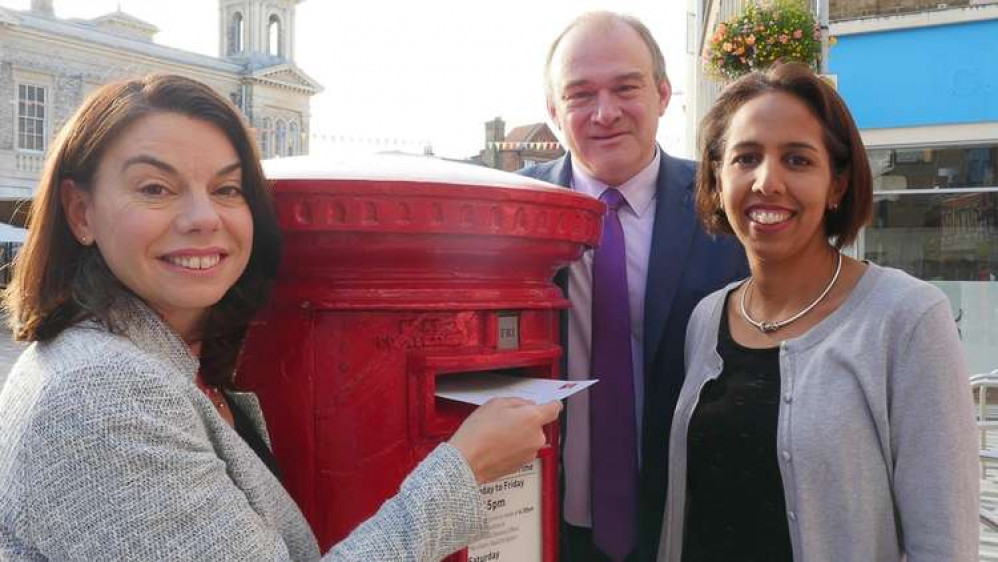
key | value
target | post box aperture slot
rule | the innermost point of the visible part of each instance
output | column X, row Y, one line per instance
column 448, row 414
column 440, row 417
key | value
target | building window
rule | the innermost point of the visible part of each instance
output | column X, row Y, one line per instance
column 935, row 168
column 282, row 138
column 237, row 100
column 30, row 117
column 274, row 43
column 266, row 132
column 236, row 34
column 935, row 216
column 294, row 140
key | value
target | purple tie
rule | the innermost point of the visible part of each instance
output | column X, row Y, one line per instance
column 613, row 432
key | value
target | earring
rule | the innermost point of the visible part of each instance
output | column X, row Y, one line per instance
column 83, row 240
column 833, row 207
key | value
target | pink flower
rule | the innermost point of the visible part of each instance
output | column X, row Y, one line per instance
column 798, row 34
column 722, row 28
column 784, row 38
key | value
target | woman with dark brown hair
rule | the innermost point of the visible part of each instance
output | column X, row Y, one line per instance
column 153, row 242
column 826, row 413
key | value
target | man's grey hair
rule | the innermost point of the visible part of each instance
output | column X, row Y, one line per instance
column 606, row 20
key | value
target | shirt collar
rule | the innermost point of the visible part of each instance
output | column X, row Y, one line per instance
column 639, row 191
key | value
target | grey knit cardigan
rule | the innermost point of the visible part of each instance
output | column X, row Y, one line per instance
column 108, row 451
column 876, row 434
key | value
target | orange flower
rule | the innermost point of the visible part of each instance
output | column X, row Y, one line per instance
column 750, row 40
column 740, row 51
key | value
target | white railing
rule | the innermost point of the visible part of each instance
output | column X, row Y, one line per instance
column 980, row 385
column 29, row 161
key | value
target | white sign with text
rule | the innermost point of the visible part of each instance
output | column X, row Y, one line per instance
column 513, row 508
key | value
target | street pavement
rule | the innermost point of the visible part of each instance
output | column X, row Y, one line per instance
column 9, row 350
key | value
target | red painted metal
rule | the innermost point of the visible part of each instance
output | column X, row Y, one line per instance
column 387, row 284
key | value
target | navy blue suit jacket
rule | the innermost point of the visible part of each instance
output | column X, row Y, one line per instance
column 685, row 265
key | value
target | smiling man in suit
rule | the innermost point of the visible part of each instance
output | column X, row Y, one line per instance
column 630, row 298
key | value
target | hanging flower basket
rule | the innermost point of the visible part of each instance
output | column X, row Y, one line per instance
column 760, row 35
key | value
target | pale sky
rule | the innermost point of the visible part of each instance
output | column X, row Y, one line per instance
column 428, row 71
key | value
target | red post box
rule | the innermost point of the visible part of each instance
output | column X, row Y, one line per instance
column 399, row 271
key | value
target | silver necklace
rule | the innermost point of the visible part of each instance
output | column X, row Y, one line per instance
column 769, row 327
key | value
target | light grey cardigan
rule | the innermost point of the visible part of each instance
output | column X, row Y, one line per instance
column 108, row 451
column 876, row 436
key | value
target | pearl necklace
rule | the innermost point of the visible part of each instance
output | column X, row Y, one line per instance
column 769, row 327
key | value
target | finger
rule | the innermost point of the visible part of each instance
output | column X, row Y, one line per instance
column 549, row 412
column 541, row 440
column 511, row 401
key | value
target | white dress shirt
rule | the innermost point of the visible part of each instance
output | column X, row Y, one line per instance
column 637, row 218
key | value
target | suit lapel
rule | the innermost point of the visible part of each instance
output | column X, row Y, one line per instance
column 561, row 171
column 675, row 222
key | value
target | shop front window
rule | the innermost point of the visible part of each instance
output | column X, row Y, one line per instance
column 935, row 168
column 935, row 216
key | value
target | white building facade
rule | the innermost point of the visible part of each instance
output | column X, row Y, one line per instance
column 48, row 65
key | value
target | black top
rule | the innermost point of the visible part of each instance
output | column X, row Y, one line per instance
column 245, row 428
column 734, row 498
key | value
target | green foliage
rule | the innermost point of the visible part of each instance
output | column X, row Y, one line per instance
column 762, row 34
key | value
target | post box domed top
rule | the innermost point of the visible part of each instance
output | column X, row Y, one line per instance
column 395, row 193
column 406, row 231
column 404, row 168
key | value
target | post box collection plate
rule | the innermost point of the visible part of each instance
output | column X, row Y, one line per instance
column 513, row 505
column 509, row 331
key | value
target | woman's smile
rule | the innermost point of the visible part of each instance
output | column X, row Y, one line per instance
column 768, row 216
column 194, row 262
